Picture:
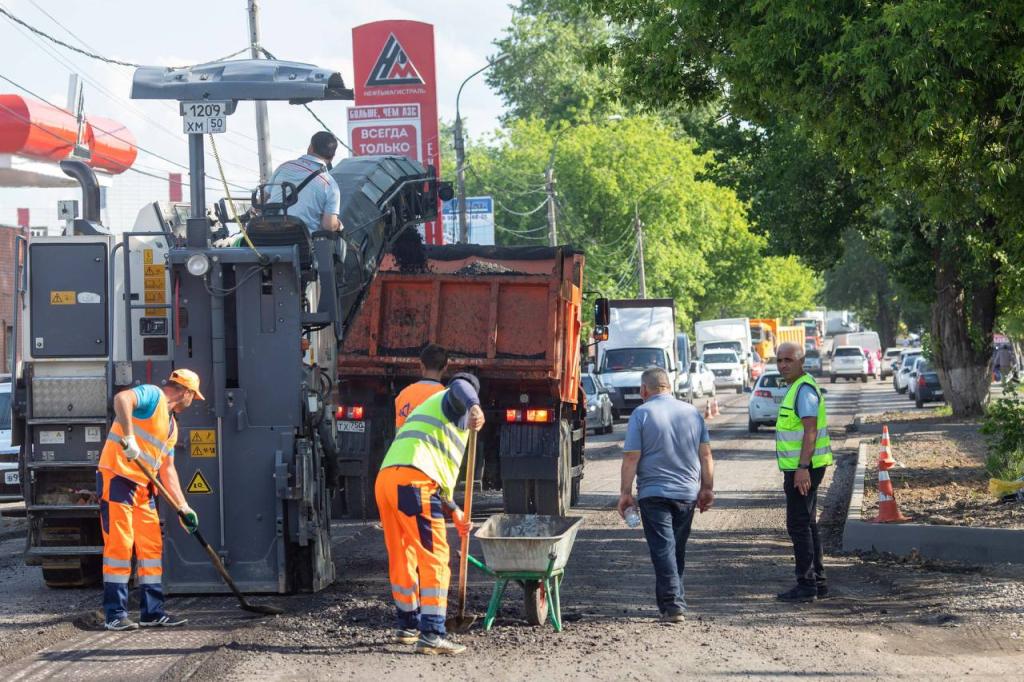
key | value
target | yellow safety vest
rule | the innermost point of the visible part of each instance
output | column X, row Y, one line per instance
column 789, row 430
column 430, row 442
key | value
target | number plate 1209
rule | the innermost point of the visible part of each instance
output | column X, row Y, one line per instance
column 201, row 118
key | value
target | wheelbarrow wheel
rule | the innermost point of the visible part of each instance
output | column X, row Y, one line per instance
column 536, row 602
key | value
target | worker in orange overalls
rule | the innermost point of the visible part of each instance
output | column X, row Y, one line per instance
column 433, row 360
column 144, row 431
column 413, row 491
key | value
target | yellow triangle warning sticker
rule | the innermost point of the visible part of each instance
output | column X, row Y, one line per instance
column 198, row 484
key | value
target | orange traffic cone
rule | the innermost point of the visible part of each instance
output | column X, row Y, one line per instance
column 885, row 460
column 714, row 407
column 707, row 410
column 888, row 510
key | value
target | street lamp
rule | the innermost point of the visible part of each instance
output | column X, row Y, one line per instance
column 549, row 177
column 460, row 149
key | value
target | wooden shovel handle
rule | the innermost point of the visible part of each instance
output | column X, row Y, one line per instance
column 467, row 508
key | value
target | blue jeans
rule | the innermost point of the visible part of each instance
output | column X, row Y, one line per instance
column 667, row 528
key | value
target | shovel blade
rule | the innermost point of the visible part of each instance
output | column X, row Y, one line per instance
column 459, row 623
column 261, row 609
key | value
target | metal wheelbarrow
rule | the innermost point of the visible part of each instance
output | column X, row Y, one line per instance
column 532, row 550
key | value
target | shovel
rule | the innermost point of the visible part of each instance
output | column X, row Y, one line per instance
column 461, row 622
column 214, row 559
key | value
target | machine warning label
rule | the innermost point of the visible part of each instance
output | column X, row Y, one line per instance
column 153, row 297
column 154, row 271
column 62, row 298
column 203, row 443
column 147, row 256
column 198, row 484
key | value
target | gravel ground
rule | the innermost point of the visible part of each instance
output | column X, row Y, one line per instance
column 889, row 618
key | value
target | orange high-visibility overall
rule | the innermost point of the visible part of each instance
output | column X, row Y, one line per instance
column 414, row 533
column 412, row 396
column 128, row 515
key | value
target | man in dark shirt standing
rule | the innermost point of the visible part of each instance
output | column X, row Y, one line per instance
column 668, row 451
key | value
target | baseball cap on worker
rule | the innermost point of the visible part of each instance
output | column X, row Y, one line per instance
column 188, row 379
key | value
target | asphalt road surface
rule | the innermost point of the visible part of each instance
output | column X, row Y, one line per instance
column 886, row 620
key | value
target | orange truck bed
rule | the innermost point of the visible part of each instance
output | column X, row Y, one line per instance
column 511, row 313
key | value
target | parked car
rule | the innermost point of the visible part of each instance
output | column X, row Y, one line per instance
column 599, row 404
column 727, row 368
column 763, row 407
column 889, row 360
column 698, row 382
column 849, row 362
column 10, row 480
column 812, row 362
column 902, row 372
column 924, row 383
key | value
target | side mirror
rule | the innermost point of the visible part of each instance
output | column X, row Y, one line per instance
column 601, row 333
column 823, row 390
column 445, row 192
column 602, row 313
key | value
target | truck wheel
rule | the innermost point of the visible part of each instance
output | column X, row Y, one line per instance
column 515, row 495
column 72, row 572
column 536, row 602
column 574, row 493
column 832, row 379
column 359, row 500
column 863, row 378
column 554, row 497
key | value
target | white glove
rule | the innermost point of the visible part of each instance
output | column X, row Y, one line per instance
column 131, row 448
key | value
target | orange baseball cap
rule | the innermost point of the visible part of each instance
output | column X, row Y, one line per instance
column 188, row 379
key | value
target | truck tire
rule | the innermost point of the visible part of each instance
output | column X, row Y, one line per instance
column 863, row 378
column 359, row 500
column 555, row 497
column 739, row 389
column 574, row 493
column 515, row 494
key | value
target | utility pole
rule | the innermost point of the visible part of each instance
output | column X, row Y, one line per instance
column 638, row 226
column 262, row 120
column 549, row 178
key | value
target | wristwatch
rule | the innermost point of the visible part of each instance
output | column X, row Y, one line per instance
column 804, row 466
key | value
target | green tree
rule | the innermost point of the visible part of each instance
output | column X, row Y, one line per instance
column 550, row 74
column 919, row 99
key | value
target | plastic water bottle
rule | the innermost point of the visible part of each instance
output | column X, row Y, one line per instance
column 632, row 517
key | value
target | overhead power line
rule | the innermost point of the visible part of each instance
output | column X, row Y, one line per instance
column 93, row 55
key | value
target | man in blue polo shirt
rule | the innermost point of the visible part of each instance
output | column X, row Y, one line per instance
column 319, row 202
column 668, row 451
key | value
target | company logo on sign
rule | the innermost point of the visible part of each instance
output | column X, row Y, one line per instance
column 393, row 66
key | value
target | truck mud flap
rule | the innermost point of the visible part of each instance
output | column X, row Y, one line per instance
column 529, row 451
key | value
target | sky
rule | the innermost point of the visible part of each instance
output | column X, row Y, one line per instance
column 191, row 31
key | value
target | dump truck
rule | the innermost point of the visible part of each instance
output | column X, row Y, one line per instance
column 510, row 315
column 763, row 334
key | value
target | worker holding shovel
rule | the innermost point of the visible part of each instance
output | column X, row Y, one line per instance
column 144, row 432
column 414, row 490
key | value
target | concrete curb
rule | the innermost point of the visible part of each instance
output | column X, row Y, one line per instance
column 949, row 543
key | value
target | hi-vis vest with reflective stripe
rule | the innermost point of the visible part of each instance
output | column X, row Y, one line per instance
column 430, row 442
column 156, row 437
column 789, row 430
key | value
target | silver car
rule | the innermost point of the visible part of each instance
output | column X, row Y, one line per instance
column 599, row 404
column 10, row 481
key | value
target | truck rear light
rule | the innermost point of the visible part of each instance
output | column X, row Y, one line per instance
column 920, row 381
column 763, row 394
column 350, row 412
column 531, row 415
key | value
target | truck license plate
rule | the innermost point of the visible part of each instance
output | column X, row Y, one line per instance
column 352, row 427
column 633, row 396
column 12, row 478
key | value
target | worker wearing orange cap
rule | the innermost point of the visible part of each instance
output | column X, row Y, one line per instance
column 144, row 432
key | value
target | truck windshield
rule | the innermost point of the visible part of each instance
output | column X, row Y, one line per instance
column 633, row 359
column 849, row 352
column 724, row 345
column 720, row 358
column 588, row 386
column 755, row 334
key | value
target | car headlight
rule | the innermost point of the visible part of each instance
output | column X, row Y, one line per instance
column 591, row 407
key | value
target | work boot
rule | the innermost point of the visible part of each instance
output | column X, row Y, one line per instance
column 823, row 592
column 121, row 624
column 436, row 645
column 800, row 593
column 404, row 636
column 164, row 621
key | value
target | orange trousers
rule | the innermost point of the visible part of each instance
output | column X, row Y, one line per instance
column 130, row 524
column 411, row 513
